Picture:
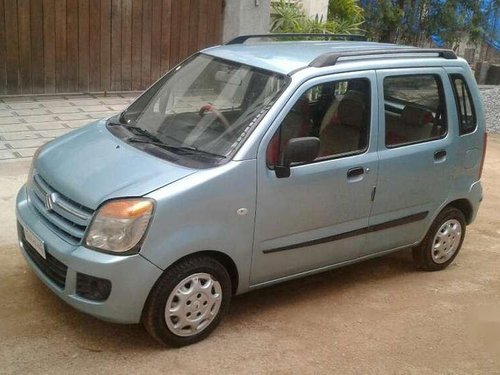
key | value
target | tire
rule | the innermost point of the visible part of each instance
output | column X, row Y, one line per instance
column 196, row 292
column 436, row 252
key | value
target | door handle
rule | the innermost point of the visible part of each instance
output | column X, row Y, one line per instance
column 439, row 155
column 355, row 172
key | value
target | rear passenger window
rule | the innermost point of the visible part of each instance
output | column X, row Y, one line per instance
column 415, row 109
column 338, row 113
column 465, row 107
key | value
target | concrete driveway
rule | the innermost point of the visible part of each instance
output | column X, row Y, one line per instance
column 27, row 122
column 377, row 317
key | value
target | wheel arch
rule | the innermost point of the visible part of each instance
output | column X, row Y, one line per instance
column 223, row 259
column 463, row 205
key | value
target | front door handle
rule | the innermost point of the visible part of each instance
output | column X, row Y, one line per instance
column 439, row 155
column 355, row 173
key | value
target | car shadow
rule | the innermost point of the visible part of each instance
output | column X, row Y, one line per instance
column 334, row 282
column 93, row 335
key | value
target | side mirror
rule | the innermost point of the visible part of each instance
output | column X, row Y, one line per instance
column 298, row 150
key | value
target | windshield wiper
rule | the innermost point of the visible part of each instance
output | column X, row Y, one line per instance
column 165, row 146
column 137, row 130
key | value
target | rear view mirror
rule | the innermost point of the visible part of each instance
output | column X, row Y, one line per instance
column 298, row 150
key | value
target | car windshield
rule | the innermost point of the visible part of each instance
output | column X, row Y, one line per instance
column 204, row 108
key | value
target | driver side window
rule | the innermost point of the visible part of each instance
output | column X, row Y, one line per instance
column 338, row 113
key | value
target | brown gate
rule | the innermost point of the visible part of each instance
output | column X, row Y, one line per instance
column 49, row 46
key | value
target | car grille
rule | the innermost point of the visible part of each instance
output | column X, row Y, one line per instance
column 63, row 215
column 51, row 267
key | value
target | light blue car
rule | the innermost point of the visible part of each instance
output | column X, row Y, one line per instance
column 250, row 164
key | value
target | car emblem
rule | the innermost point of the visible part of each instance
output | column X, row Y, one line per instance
column 50, row 199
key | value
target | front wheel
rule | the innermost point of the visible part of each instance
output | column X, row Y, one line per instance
column 442, row 242
column 188, row 301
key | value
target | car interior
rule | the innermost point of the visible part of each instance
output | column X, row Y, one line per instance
column 335, row 112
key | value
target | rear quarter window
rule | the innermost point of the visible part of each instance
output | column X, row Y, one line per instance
column 466, row 112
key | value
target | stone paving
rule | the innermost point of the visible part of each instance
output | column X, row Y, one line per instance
column 28, row 122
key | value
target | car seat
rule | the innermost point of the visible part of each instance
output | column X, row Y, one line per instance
column 343, row 129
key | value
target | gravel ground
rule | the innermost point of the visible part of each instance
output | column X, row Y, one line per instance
column 491, row 101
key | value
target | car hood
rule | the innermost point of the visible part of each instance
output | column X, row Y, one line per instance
column 90, row 166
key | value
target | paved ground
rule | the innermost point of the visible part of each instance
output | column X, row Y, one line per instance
column 376, row 317
column 28, row 122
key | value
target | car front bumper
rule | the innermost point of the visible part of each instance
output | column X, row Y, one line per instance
column 131, row 277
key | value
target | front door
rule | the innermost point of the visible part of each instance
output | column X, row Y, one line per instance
column 318, row 215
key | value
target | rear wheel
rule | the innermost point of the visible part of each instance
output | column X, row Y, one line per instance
column 442, row 242
column 188, row 301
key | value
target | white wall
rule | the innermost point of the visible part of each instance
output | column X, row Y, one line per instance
column 315, row 7
column 246, row 17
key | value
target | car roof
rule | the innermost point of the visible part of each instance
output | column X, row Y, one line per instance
column 287, row 56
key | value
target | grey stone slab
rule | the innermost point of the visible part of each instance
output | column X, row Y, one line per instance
column 26, row 143
column 79, row 123
column 117, row 107
column 68, row 109
column 27, row 152
column 53, row 133
column 80, row 96
column 28, row 105
column 115, row 101
column 99, row 115
column 11, row 120
column 18, row 99
column 2, row 146
column 5, row 112
column 47, row 125
column 72, row 116
column 31, row 112
column 5, row 155
column 94, row 108
column 48, row 98
column 57, row 103
column 19, row 136
column 44, row 118
column 86, row 103
column 13, row 128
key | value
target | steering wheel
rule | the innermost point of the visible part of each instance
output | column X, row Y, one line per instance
column 210, row 108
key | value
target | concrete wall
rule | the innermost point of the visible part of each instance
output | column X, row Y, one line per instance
column 246, row 17
column 315, row 7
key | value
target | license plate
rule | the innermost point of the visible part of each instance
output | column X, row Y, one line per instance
column 35, row 242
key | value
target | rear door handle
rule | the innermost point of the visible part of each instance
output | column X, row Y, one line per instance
column 354, row 173
column 439, row 155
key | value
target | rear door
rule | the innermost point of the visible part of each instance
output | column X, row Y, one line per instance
column 416, row 155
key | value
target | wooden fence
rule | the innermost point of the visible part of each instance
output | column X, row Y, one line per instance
column 49, row 46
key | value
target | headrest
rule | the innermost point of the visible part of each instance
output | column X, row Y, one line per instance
column 302, row 105
column 415, row 116
column 351, row 108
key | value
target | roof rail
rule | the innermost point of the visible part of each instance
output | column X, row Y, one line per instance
column 350, row 37
column 331, row 58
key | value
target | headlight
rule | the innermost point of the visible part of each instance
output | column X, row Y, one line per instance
column 119, row 225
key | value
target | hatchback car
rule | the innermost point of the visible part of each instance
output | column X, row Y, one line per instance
column 250, row 164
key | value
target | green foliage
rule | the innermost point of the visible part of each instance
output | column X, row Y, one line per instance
column 415, row 21
column 454, row 19
column 382, row 20
column 287, row 17
column 345, row 10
